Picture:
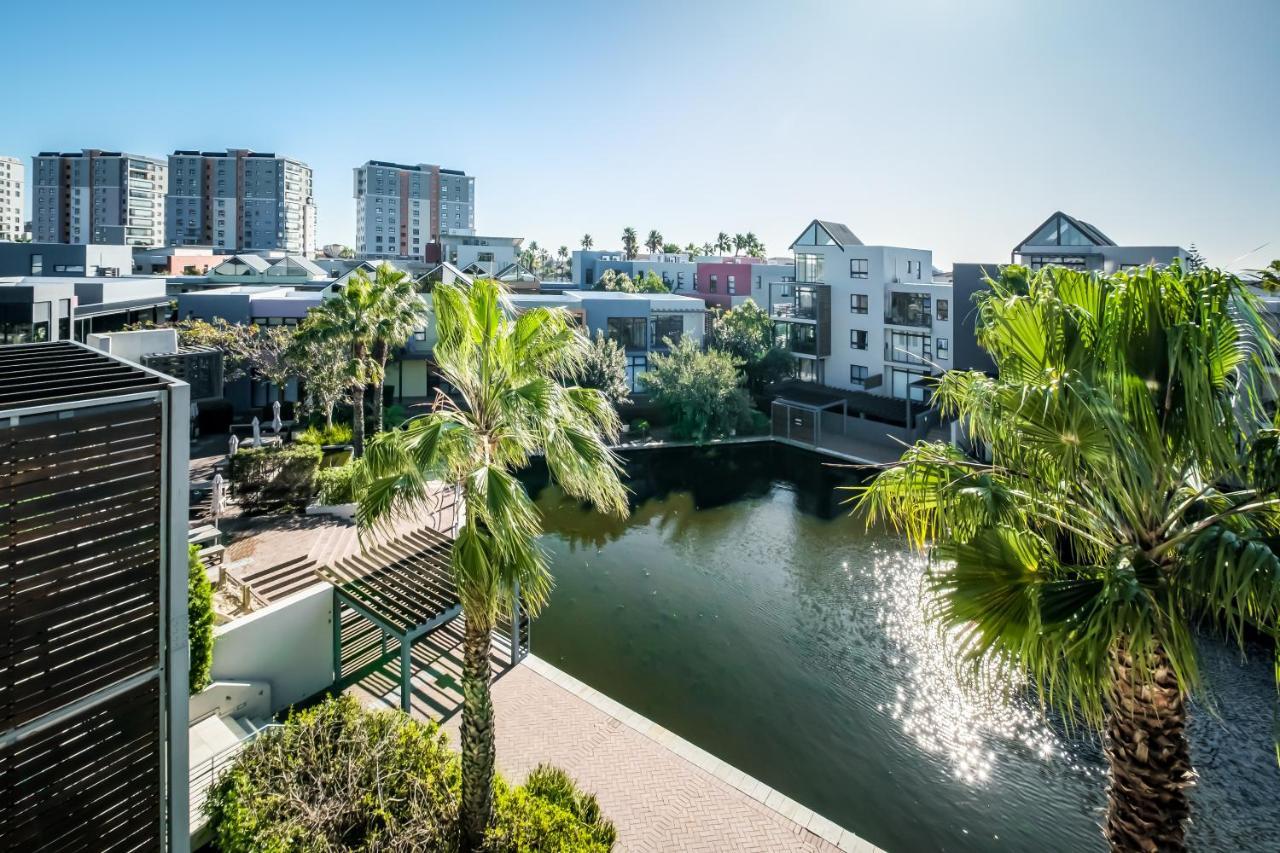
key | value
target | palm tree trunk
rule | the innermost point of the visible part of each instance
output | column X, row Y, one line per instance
column 357, row 419
column 379, row 355
column 477, row 734
column 1146, row 745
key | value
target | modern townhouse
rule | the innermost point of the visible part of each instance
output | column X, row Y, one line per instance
column 401, row 209
column 862, row 318
column 93, row 561
column 729, row 282
column 95, row 196
column 476, row 254
column 677, row 271
column 13, row 189
column 240, row 200
column 62, row 259
column 38, row 308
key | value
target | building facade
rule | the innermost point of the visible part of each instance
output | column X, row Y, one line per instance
column 1062, row 240
column 240, row 200
column 677, row 271
column 13, row 189
column 862, row 318
column 61, row 259
column 401, row 209
column 94, row 196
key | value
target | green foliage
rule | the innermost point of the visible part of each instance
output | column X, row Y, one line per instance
column 621, row 282
column 640, row 425
column 395, row 416
column 274, row 476
column 336, row 485
column 1128, row 503
column 321, row 436
column 604, row 367
column 339, row 777
column 746, row 333
column 630, row 242
column 700, row 390
column 199, row 621
column 548, row 813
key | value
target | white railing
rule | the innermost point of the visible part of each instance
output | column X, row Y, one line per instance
column 205, row 774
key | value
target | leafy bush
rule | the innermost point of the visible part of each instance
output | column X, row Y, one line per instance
column 335, row 485
column 604, row 367
column 338, row 777
column 700, row 390
column 640, row 425
column 275, row 476
column 199, row 621
column 393, row 416
column 324, row 435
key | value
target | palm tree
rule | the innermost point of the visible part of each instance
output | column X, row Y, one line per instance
column 511, row 410
column 691, row 249
column 587, row 242
column 723, row 244
column 1269, row 276
column 708, row 248
column 1122, row 509
column 754, row 247
column 654, row 241
column 563, row 255
column 399, row 313
column 347, row 321
column 739, row 243
column 629, row 241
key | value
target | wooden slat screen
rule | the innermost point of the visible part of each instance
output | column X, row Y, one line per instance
column 91, row 782
column 80, row 510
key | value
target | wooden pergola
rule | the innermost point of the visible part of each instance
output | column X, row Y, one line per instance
column 404, row 587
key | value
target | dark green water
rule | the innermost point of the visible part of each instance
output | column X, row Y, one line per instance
column 741, row 608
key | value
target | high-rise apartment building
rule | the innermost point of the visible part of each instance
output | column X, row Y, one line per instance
column 12, row 194
column 401, row 209
column 97, row 196
column 240, row 200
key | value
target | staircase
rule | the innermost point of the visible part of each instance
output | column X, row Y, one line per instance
column 283, row 579
column 214, row 743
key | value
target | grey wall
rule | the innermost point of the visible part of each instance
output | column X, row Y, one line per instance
column 966, row 281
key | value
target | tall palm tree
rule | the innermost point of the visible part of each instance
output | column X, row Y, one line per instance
column 587, row 242
column 511, row 409
column 347, row 321
column 708, row 248
column 562, row 254
column 1269, row 276
column 723, row 244
column 654, row 241
column 1125, row 506
column 739, row 243
column 754, row 247
column 691, row 249
column 629, row 243
column 399, row 313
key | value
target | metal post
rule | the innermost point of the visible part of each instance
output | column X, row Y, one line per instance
column 406, row 648
column 337, row 637
column 515, row 625
column 384, row 641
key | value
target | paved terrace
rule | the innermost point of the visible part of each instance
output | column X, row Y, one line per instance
column 663, row 793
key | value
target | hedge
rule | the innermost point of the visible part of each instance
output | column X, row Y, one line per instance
column 199, row 621
column 275, row 476
column 338, row 777
column 334, row 485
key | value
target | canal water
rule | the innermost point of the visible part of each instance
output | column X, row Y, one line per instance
column 742, row 608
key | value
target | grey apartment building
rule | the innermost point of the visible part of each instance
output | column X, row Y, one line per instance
column 95, row 196
column 241, row 201
column 401, row 209
column 13, row 188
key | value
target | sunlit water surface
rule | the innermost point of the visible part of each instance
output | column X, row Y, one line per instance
column 740, row 607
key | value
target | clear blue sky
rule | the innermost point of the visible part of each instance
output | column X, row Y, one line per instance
column 955, row 126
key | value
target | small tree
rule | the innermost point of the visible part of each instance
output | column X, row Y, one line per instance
column 650, row 282
column 700, row 390
column 604, row 367
column 262, row 350
column 199, row 621
column 1195, row 260
column 746, row 333
column 321, row 365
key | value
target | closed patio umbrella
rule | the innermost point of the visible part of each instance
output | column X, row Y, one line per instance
column 233, row 444
column 276, row 423
column 215, row 500
column 257, row 432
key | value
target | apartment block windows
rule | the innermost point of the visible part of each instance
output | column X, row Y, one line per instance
column 629, row 332
column 37, row 264
column 730, row 287
column 943, row 348
column 714, row 284
column 913, row 268
column 808, row 267
column 858, row 376
column 858, row 268
column 858, row 303
column 857, row 339
column 943, row 308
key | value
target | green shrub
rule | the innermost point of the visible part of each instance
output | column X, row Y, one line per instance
column 338, row 777
column 640, row 425
column 335, row 485
column 394, row 416
column 547, row 813
column 275, row 476
column 199, row 621
column 759, row 423
column 322, row 436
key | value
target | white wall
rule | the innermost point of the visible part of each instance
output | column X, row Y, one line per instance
column 132, row 346
column 288, row 644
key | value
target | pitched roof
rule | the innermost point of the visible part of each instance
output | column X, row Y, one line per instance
column 839, row 233
column 1058, row 218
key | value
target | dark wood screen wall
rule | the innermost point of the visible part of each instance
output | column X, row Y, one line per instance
column 80, row 562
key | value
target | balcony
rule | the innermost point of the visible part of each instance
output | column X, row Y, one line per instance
column 803, row 302
column 909, row 309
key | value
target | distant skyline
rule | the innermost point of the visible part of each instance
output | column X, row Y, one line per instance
column 949, row 126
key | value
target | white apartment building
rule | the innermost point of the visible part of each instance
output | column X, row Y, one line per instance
column 94, row 196
column 240, row 201
column 13, row 193
column 863, row 318
column 401, row 209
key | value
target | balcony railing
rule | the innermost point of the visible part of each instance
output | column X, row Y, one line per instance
column 793, row 310
column 919, row 319
column 902, row 355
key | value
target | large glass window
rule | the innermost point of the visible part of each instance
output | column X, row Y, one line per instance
column 943, row 307
column 799, row 338
column 905, row 347
column 629, row 332
column 909, row 309
column 667, row 328
column 858, row 376
column 808, row 267
column 858, row 303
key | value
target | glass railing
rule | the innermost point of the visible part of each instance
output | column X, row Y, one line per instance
column 908, row 317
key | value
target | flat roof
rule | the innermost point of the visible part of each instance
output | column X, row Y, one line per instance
column 62, row 371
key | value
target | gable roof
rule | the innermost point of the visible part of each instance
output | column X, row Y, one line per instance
column 516, row 272
column 257, row 263
column 305, row 264
column 1058, row 220
column 839, row 233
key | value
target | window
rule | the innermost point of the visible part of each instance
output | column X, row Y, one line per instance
column 857, row 339
column 943, row 348
column 913, row 268
column 858, row 268
column 714, row 286
column 679, row 281
column 858, row 303
column 808, row 267
column 729, row 286
column 857, row 376
column 37, row 264
column 667, row 327
column 943, row 309
column 629, row 332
